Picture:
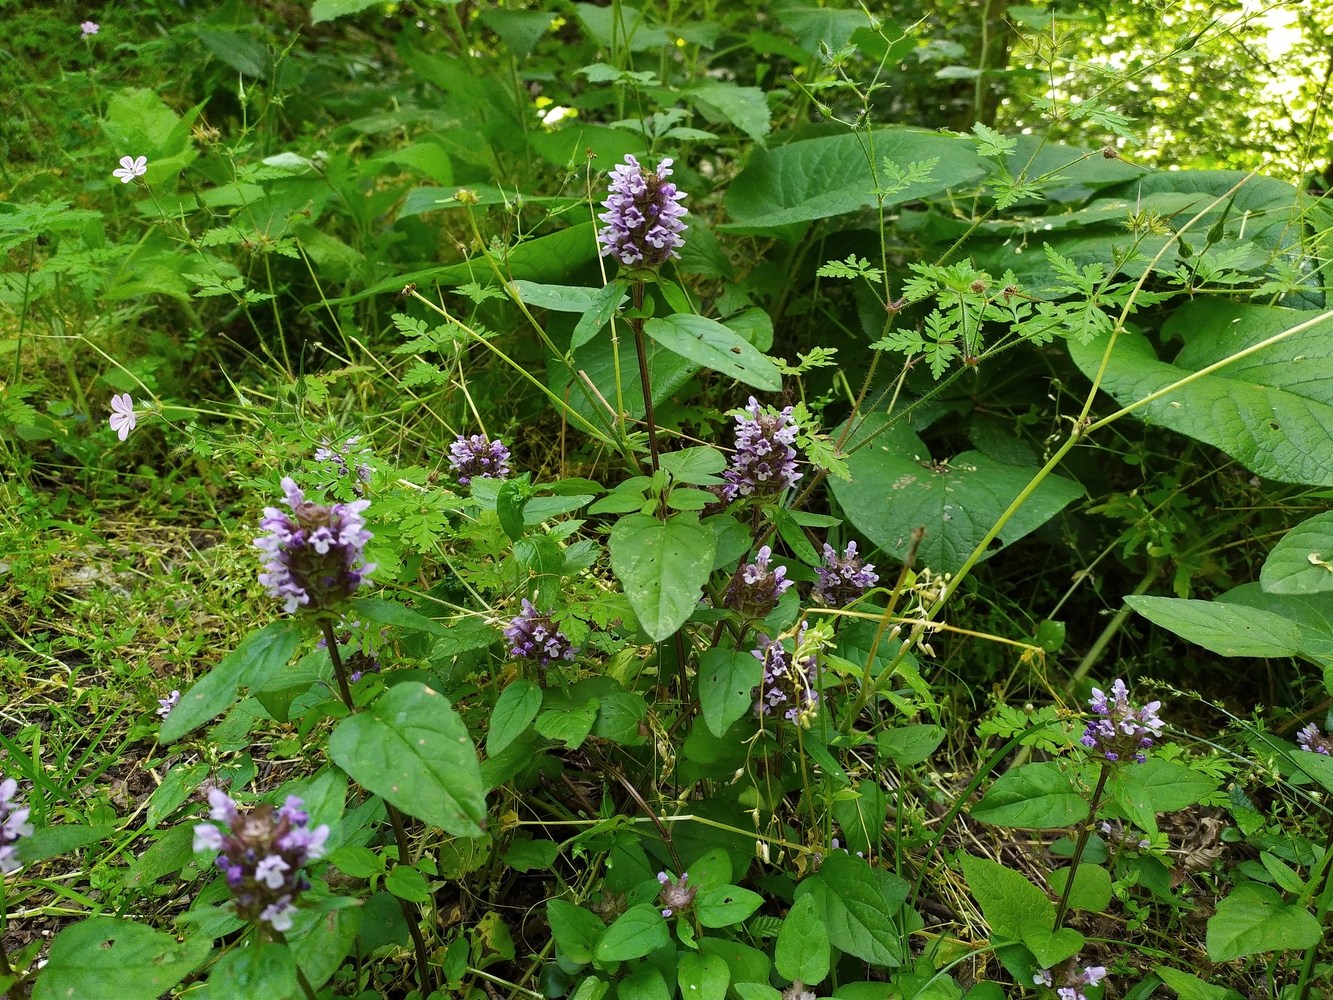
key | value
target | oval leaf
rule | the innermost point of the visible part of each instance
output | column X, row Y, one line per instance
column 1302, row 562
column 103, row 956
column 1034, row 797
column 727, row 678
column 707, row 342
column 636, row 932
column 1255, row 919
column 518, row 705
column 803, row 947
column 663, row 566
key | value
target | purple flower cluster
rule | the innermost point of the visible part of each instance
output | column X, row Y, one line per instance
column 843, row 578
column 13, row 826
column 533, row 636
column 165, row 705
column 478, row 457
column 1312, row 740
column 313, row 556
column 643, row 213
column 1072, row 979
column 262, row 853
column 786, row 687
column 1121, row 729
column 336, row 460
column 755, row 589
column 675, row 896
column 764, row 462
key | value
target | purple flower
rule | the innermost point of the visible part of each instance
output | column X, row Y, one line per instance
column 313, row 556
column 90, row 28
column 338, row 467
column 1310, row 739
column 643, row 212
column 764, row 462
column 1072, row 979
column 130, row 168
column 786, row 686
column 122, row 419
column 477, row 456
column 675, row 896
column 261, row 854
column 533, row 636
column 165, row 705
column 1121, row 728
column 755, row 590
column 843, row 578
column 14, row 825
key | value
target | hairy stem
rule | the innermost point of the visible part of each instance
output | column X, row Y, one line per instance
column 1083, row 836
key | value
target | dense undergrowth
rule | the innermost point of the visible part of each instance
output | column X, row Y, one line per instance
column 429, row 571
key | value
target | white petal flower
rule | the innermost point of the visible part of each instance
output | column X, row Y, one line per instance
column 130, row 168
column 122, row 415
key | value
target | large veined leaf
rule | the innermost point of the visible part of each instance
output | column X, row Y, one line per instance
column 1271, row 411
column 819, row 178
column 1254, row 919
column 103, row 956
column 896, row 487
column 1302, row 562
column 707, row 342
column 663, row 566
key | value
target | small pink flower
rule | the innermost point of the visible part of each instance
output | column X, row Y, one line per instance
column 90, row 27
column 130, row 168
column 122, row 415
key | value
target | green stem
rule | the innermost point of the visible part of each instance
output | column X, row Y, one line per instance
column 1083, row 836
column 1321, row 912
column 645, row 377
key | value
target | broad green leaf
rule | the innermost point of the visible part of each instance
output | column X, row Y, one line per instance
column 407, row 883
column 382, row 612
column 896, row 488
column 517, row 706
column 727, row 679
column 102, row 956
column 260, row 654
column 570, row 144
column 569, row 726
column 1312, row 614
column 1040, row 796
column 262, row 970
column 802, row 950
column 1049, row 946
column 1160, row 786
column 707, row 342
column 710, row 870
column 321, row 939
column 702, row 977
column 744, row 107
column 1092, row 887
column 411, row 749
column 699, row 466
column 726, row 905
column 819, row 178
column 861, row 818
column 525, row 855
column 52, row 841
column 1190, row 987
column 1255, row 919
column 328, row 10
column 596, row 359
column 608, row 299
column 860, row 907
column 557, row 298
column 908, row 745
column 636, row 932
column 1302, row 561
column 663, row 566
column 520, row 30
column 1007, row 898
column 1222, row 628
column 1271, row 411
column 621, row 26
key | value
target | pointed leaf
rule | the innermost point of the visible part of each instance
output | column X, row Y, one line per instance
column 103, row 957
column 663, row 566
column 707, row 342
column 1254, row 919
column 727, row 679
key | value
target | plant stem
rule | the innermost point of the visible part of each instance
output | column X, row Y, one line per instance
column 411, row 914
column 645, row 379
column 1083, row 836
column 15, row 991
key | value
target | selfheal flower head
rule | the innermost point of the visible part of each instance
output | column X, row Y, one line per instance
column 764, row 462
column 1121, row 729
column 313, row 556
column 14, row 826
column 1310, row 739
column 336, row 462
column 123, row 419
column 755, row 589
column 90, row 28
column 643, row 213
column 787, row 686
column 130, row 168
column 478, row 457
column 261, row 854
column 533, row 636
column 843, row 578
column 675, row 896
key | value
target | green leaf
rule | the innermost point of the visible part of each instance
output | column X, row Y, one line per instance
column 702, row 977
column 321, row 939
column 263, row 970
column 1302, row 561
column 1159, row 786
column 260, row 654
column 636, row 932
column 1189, row 987
column 1006, row 897
column 1040, row 796
column 819, row 178
column 509, row 503
column 570, row 143
column 382, row 612
column 576, row 930
column 896, row 488
column 860, row 907
column 598, row 313
column 102, row 956
column 569, row 726
column 517, row 706
column 558, row 298
column 663, row 566
column 1092, row 887
column 1220, row 627
column 802, row 950
column 520, row 30
column 726, row 905
column 525, row 854
column 411, row 749
column 407, row 883
column 644, row 982
column 1271, row 411
column 726, row 681
column 744, row 107
column 1255, row 919
column 52, row 841
column 707, row 342
column 328, row 10
column 699, row 466
column 908, row 745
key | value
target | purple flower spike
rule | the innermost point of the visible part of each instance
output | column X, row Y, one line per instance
column 313, row 556
column 765, row 461
column 336, row 460
column 1121, row 728
column 533, row 636
column 478, row 457
column 843, row 578
column 261, row 853
column 165, row 705
column 755, row 589
column 643, row 213
column 14, row 826
column 1312, row 740
column 786, row 688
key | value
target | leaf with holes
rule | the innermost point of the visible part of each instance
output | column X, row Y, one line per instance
column 663, row 566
